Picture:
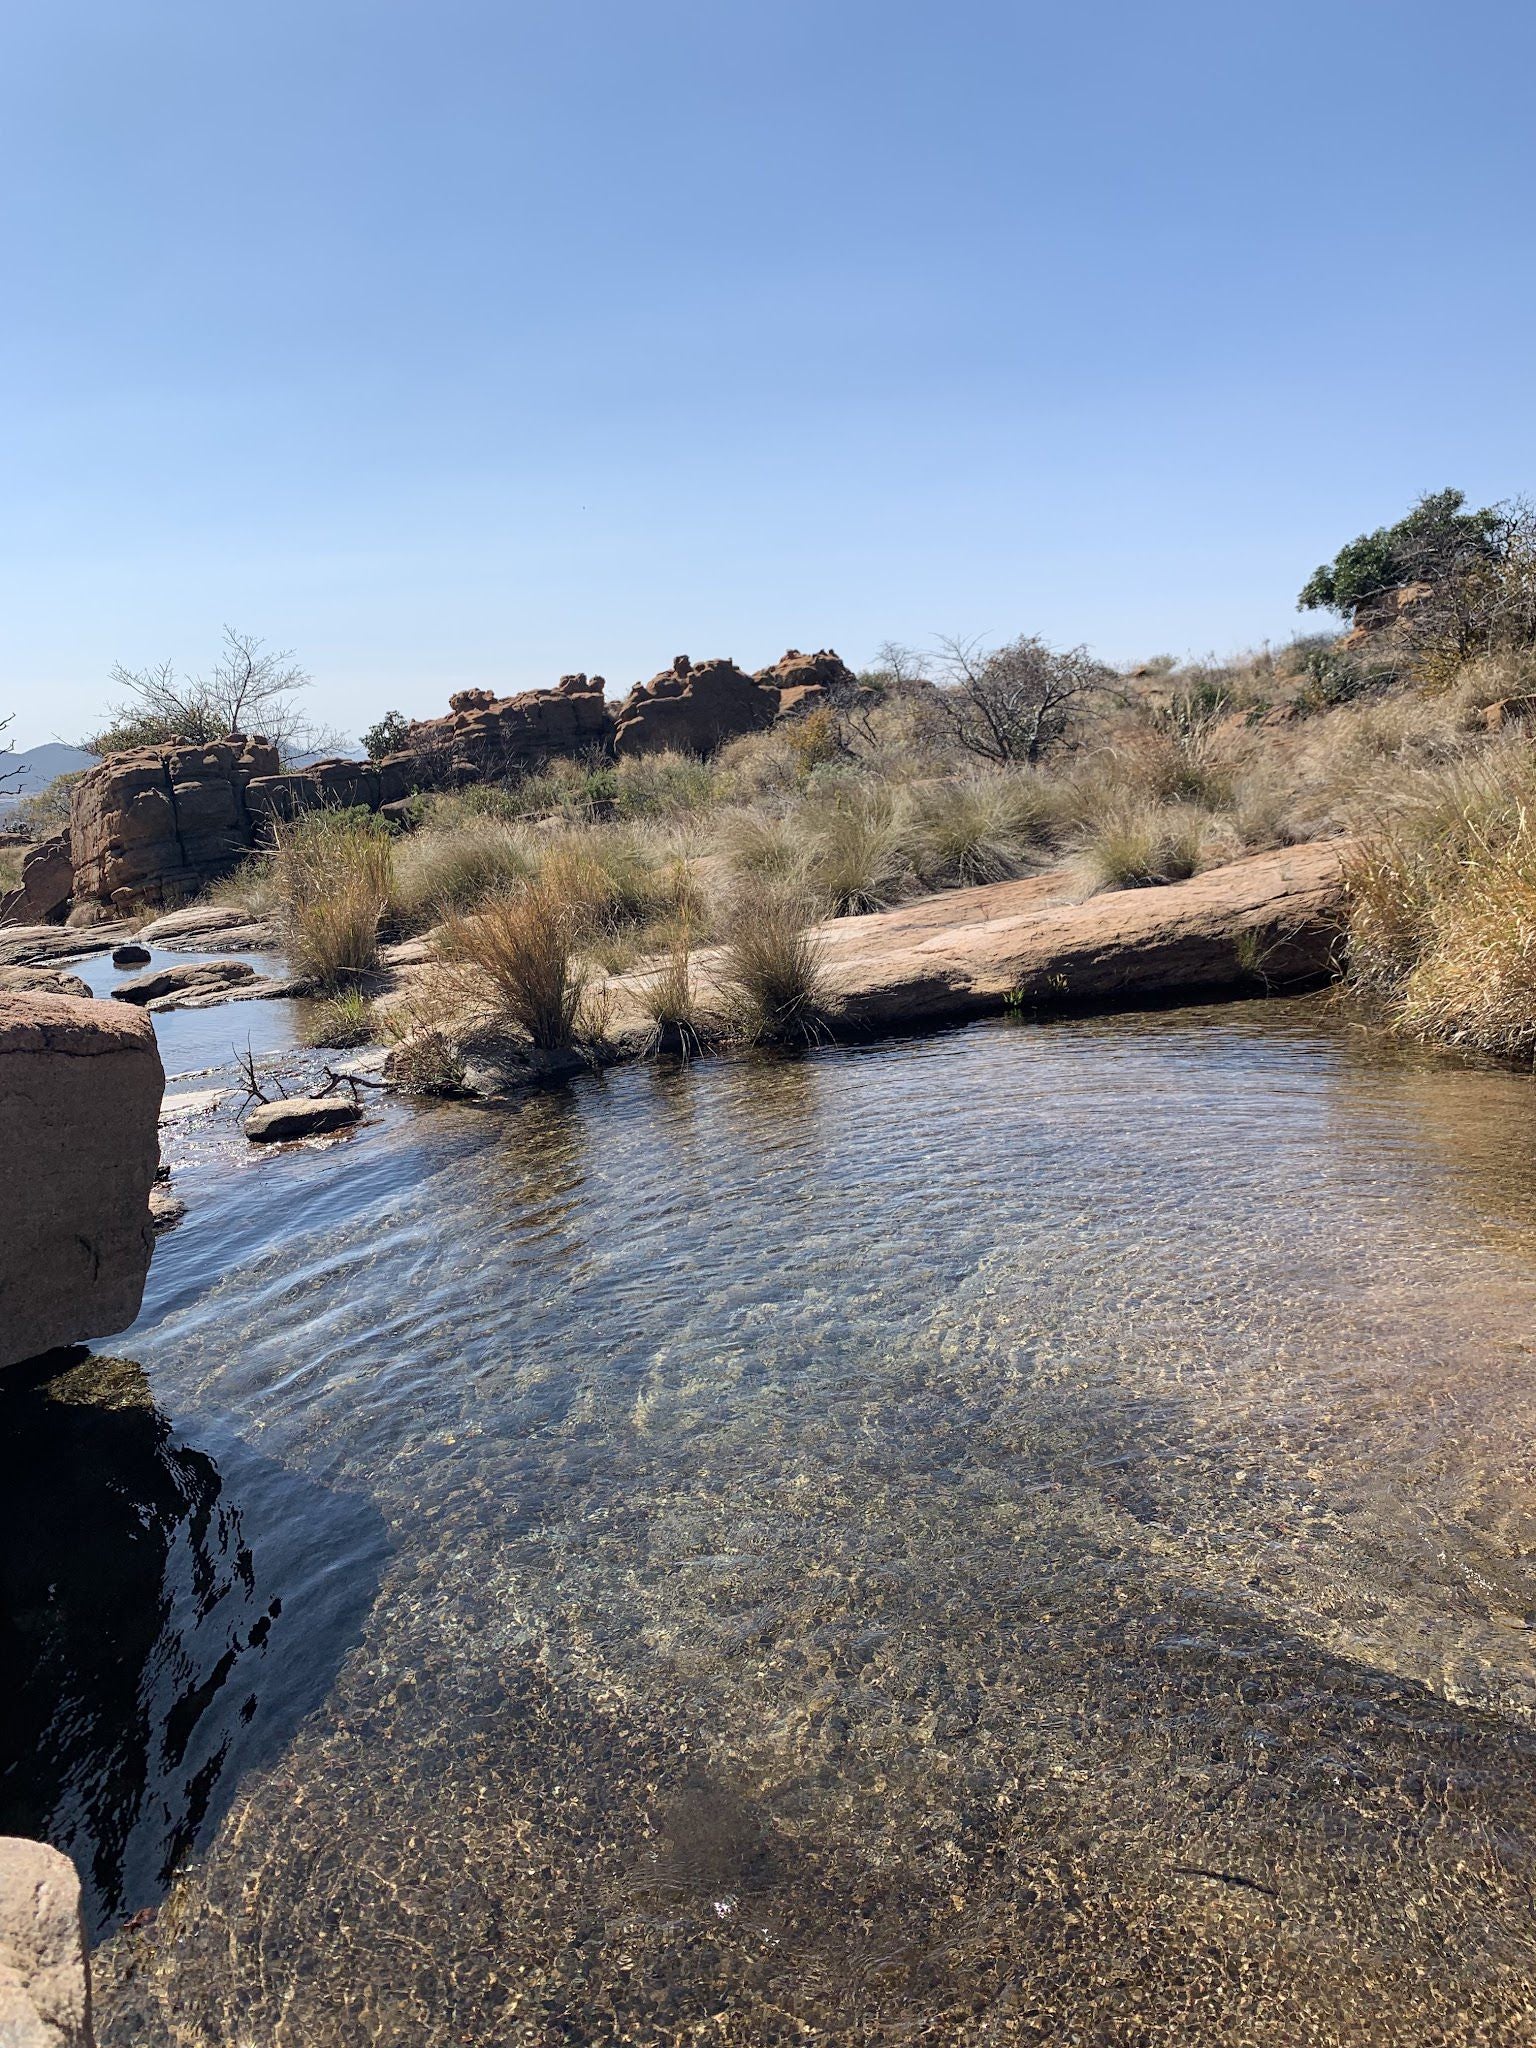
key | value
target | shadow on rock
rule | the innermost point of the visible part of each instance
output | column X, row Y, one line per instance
column 165, row 1622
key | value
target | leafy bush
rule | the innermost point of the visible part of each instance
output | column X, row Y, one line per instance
column 388, row 736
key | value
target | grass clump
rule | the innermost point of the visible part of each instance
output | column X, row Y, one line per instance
column 345, row 1017
column 332, row 875
column 856, row 858
column 771, row 971
column 667, row 997
column 523, row 949
column 454, row 860
column 1138, row 846
column 980, row 828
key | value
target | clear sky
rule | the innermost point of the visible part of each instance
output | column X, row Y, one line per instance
column 470, row 341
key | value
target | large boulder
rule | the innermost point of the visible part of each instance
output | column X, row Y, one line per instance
column 80, row 1087
column 693, row 708
column 156, row 824
column 805, row 681
column 47, row 883
column 45, row 1992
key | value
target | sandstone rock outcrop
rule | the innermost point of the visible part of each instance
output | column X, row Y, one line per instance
column 80, row 1087
column 42, row 981
column 1271, row 920
column 45, row 1993
column 693, row 708
column 485, row 736
column 804, row 681
column 158, row 823
column 190, row 976
column 47, row 883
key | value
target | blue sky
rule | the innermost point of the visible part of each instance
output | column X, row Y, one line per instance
column 475, row 341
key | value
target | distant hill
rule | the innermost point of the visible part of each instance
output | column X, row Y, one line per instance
column 37, row 767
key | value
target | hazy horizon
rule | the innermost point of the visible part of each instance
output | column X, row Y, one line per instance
column 472, row 346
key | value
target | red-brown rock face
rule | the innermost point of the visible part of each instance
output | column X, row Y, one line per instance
column 805, row 680
column 484, row 736
column 157, row 823
column 80, row 1086
column 693, row 708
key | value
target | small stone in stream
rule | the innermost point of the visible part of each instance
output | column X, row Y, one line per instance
column 165, row 1209
column 166, row 981
column 130, row 956
column 301, row 1116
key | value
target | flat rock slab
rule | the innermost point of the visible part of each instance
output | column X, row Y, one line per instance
column 43, row 981
column 208, row 925
column 255, row 990
column 45, row 1999
column 194, row 976
column 35, row 945
column 195, row 1102
column 1269, row 921
column 301, row 1116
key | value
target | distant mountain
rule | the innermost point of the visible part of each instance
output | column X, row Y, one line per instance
column 30, row 769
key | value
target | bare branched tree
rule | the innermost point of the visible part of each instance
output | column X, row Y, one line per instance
column 1013, row 703
column 250, row 689
column 10, row 775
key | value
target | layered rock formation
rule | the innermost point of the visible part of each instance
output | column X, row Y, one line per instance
column 485, row 737
column 158, row 823
column 80, row 1087
column 693, row 708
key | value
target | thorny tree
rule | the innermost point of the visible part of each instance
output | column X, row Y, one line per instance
column 249, row 690
column 1013, row 703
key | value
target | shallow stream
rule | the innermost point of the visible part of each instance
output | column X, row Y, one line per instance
column 1024, row 1534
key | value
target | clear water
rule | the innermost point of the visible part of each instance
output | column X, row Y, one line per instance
column 1019, row 1535
column 200, row 1048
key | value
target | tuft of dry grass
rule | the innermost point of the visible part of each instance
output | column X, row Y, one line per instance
column 771, row 972
column 980, row 828
column 667, row 996
column 1137, row 846
column 856, row 857
column 452, row 862
column 332, row 876
column 522, row 949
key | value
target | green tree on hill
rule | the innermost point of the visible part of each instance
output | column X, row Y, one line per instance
column 1436, row 544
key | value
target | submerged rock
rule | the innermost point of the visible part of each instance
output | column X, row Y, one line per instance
column 45, row 1996
column 194, row 975
column 301, row 1116
column 80, row 1088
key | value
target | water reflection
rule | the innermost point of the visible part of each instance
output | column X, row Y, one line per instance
column 155, row 1642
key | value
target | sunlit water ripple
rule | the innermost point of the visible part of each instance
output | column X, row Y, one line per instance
column 1022, row 1534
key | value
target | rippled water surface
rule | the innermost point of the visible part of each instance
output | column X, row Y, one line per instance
column 1021, row 1535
